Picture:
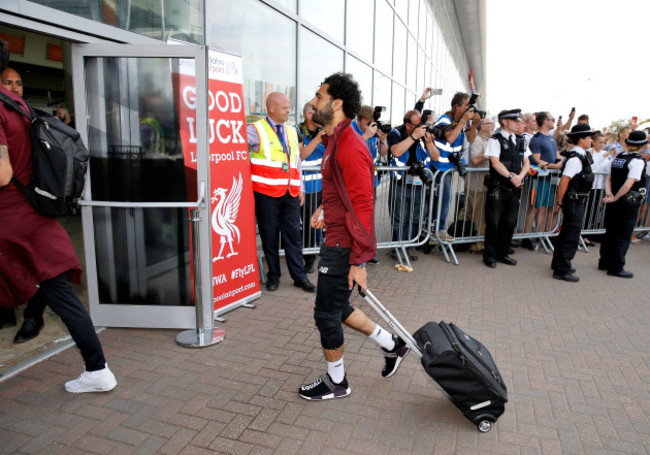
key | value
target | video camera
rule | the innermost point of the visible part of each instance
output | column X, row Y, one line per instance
column 472, row 105
column 376, row 115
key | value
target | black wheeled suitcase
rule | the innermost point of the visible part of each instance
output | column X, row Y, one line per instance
column 460, row 364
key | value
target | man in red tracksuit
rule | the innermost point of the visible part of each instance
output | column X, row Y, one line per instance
column 348, row 245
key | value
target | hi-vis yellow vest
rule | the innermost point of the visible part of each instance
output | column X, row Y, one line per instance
column 271, row 173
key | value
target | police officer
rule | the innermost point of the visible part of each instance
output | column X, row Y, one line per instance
column 572, row 192
column 624, row 193
column 508, row 155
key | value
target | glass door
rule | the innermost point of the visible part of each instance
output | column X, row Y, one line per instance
column 141, row 182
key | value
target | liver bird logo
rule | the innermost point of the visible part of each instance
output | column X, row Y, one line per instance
column 224, row 215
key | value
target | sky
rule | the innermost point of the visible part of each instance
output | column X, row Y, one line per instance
column 552, row 55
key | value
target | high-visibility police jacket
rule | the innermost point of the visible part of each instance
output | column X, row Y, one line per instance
column 272, row 174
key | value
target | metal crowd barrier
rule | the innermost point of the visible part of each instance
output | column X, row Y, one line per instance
column 423, row 203
column 393, row 197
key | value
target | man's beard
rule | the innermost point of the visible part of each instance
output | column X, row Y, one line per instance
column 323, row 116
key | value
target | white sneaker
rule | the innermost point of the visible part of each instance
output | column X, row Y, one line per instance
column 92, row 381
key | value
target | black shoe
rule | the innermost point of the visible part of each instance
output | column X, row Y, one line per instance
column 527, row 244
column 373, row 261
column 507, row 260
column 570, row 277
column 308, row 268
column 306, row 285
column 490, row 263
column 602, row 267
column 7, row 317
column 325, row 389
column 394, row 357
column 30, row 329
column 511, row 251
column 272, row 284
column 621, row 273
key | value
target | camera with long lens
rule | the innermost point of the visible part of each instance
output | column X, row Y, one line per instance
column 376, row 115
column 472, row 105
column 457, row 159
column 419, row 169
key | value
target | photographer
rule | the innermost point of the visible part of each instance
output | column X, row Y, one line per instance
column 450, row 144
column 624, row 192
column 376, row 140
column 409, row 145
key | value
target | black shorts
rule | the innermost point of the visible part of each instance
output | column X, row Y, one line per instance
column 333, row 295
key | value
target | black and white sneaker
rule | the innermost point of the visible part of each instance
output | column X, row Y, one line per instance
column 394, row 357
column 324, row 389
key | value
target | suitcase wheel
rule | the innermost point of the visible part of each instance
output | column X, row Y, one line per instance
column 484, row 426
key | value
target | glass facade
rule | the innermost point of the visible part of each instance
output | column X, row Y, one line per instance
column 161, row 19
column 394, row 48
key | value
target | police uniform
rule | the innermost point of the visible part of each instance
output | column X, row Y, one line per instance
column 577, row 166
column 621, row 215
column 503, row 197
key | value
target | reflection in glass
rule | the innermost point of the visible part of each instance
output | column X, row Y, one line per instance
column 384, row 37
column 265, row 39
column 397, row 104
column 399, row 52
column 411, row 80
column 318, row 59
column 414, row 7
column 363, row 75
column 382, row 91
column 178, row 19
column 359, row 30
column 142, row 255
column 330, row 19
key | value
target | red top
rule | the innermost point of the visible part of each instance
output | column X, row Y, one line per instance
column 358, row 174
column 33, row 248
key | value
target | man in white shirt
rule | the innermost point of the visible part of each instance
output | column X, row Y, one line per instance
column 572, row 192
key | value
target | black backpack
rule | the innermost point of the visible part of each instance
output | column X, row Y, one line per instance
column 60, row 160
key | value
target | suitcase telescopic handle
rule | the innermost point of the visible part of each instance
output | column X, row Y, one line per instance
column 387, row 316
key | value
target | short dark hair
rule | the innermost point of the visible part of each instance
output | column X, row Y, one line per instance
column 343, row 87
column 458, row 99
column 583, row 117
column 4, row 55
column 541, row 117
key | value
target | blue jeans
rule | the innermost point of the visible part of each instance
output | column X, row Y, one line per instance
column 406, row 207
column 445, row 193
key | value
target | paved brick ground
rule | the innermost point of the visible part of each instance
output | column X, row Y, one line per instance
column 576, row 359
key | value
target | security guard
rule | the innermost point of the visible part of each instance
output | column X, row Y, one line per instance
column 275, row 172
column 624, row 193
column 572, row 192
column 508, row 155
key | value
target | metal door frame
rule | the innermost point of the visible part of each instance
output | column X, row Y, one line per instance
column 153, row 316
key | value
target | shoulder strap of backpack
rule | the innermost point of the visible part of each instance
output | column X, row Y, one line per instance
column 10, row 103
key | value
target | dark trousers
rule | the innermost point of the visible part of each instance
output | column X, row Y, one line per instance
column 500, row 221
column 620, row 219
column 566, row 245
column 61, row 298
column 310, row 237
column 275, row 216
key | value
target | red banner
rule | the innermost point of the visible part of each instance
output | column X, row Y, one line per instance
column 235, row 277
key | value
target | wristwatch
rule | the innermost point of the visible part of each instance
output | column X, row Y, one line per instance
column 361, row 266
column 511, row 176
